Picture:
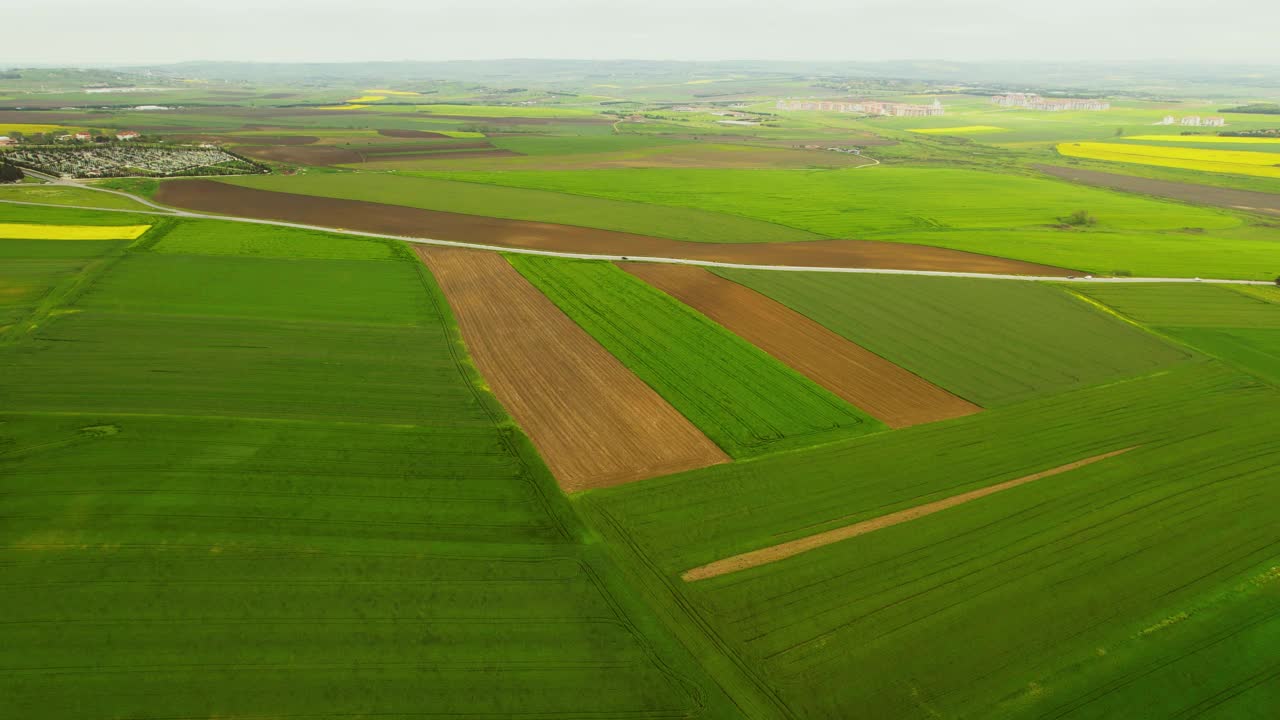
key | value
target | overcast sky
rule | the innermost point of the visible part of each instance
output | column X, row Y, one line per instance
column 154, row 31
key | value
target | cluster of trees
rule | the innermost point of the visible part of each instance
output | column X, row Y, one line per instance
column 1263, row 132
column 1079, row 218
column 10, row 173
column 98, row 135
column 1255, row 109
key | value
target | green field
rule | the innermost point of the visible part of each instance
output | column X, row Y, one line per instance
column 517, row 204
column 872, row 202
column 992, row 213
column 1240, row 324
column 63, row 195
column 742, row 398
column 1186, row 305
column 986, row 341
column 269, row 241
column 950, row 615
column 31, row 270
column 246, row 486
column 251, row 472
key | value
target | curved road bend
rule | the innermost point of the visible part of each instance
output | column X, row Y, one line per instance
column 162, row 210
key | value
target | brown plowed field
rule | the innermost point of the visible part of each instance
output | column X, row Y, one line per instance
column 40, row 117
column 250, row 139
column 272, row 139
column 437, row 155
column 301, row 154
column 868, row 381
column 764, row 556
column 1262, row 202
column 410, row 133
column 326, row 155
column 216, row 197
column 595, row 423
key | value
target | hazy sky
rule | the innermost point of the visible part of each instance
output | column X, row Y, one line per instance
column 125, row 31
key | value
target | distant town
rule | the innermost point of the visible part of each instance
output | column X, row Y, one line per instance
column 1032, row 101
column 866, row 107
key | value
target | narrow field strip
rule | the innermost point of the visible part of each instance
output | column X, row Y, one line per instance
column 767, row 555
column 745, row 400
column 594, row 422
column 887, row 391
column 32, row 231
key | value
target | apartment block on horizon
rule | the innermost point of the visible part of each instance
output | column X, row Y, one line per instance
column 1032, row 101
column 866, row 107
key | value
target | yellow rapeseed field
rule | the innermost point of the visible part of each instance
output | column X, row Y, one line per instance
column 966, row 129
column 1239, row 162
column 380, row 91
column 367, row 99
column 1209, row 139
column 31, row 231
column 342, row 107
column 33, row 128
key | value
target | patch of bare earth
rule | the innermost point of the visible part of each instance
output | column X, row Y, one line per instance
column 595, row 423
column 223, row 198
column 1268, row 203
column 391, row 132
column 774, row 553
column 331, row 155
column 250, row 139
column 319, row 155
column 888, row 392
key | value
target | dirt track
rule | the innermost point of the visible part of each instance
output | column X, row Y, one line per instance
column 1266, row 203
column 595, row 423
column 775, row 553
column 216, row 197
column 866, row 380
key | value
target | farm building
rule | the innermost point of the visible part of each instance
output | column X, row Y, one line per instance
column 82, row 137
column 1194, row 121
column 128, row 135
column 6, row 141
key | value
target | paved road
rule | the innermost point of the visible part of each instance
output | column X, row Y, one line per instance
column 162, row 210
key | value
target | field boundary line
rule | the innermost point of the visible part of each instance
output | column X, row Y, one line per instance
column 167, row 212
column 774, row 553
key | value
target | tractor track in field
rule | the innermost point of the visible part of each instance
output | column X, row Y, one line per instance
column 774, row 553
